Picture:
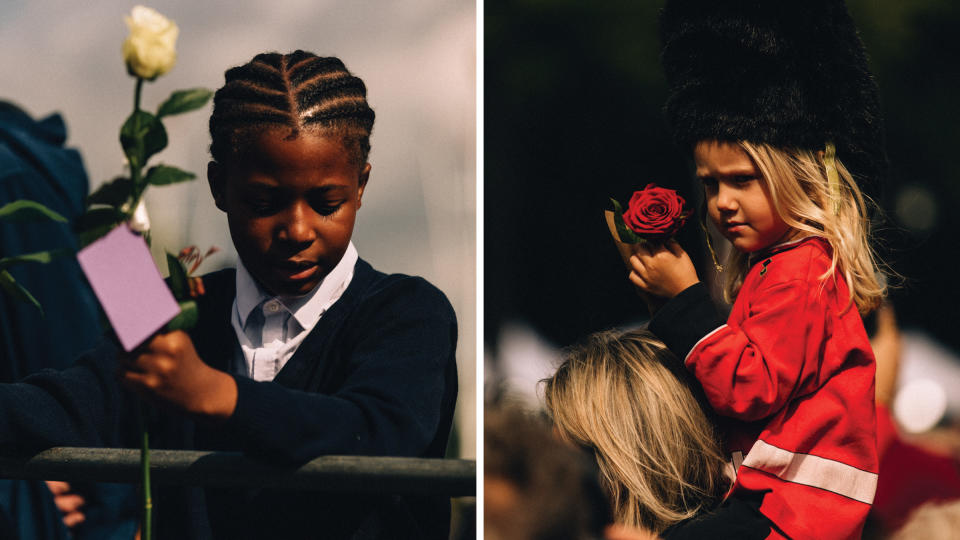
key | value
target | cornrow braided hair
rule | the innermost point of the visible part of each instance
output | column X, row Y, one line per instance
column 296, row 91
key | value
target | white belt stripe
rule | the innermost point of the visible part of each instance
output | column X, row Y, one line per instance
column 813, row 471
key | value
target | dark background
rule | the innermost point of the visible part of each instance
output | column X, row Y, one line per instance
column 572, row 116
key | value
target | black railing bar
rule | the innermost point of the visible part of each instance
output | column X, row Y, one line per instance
column 344, row 474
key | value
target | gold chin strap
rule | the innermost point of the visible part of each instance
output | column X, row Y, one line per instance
column 833, row 177
column 706, row 233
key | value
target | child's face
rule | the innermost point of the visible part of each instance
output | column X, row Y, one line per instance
column 738, row 200
column 291, row 205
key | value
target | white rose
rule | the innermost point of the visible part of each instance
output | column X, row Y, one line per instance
column 150, row 49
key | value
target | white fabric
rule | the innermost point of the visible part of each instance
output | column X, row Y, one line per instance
column 814, row 471
column 271, row 328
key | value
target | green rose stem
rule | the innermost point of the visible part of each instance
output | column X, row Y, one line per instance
column 146, row 531
column 135, row 166
column 147, row 528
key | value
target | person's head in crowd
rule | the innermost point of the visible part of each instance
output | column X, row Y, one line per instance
column 535, row 487
column 932, row 521
column 620, row 395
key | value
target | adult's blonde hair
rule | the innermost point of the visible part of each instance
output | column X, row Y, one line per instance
column 657, row 452
column 801, row 193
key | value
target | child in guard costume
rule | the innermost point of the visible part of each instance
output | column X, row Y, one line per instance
column 777, row 103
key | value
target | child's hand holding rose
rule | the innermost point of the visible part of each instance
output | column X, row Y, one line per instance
column 167, row 369
column 663, row 270
column 659, row 267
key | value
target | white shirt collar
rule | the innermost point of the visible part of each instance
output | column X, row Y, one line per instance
column 306, row 309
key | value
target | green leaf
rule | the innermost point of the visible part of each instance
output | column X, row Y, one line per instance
column 42, row 257
column 627, row 236
column 97, row 216
column 96, row 223
column 142, row 136
column 113, row 193
column 89, row 236
column 186, row 319
column 14, row 289
column 178, row 278
column 183, row 101
column 162, row 175
column 26, row 210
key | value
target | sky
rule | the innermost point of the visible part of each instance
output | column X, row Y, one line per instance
column 417, row 59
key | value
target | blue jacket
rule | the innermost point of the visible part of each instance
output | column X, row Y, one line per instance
column 35, row 165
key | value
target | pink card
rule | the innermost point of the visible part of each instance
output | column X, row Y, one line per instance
column 127, row 283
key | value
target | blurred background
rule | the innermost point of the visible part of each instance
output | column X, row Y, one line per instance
column 573, row 98
column 417, row 59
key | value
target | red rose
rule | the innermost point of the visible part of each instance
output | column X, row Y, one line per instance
column 655, row 213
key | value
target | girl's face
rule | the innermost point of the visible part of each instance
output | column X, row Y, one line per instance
column 738, row 200
column 291, row 206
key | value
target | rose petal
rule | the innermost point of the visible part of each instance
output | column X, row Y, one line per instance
column 655, row 212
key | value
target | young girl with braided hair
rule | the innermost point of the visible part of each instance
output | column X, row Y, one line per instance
column 774, row 99
column 303, row 350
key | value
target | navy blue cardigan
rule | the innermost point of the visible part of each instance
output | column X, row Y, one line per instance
column 376, row 376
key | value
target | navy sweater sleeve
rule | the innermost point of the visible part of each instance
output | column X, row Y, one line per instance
column 397, row 348
column 685, row 319
column 79, row 406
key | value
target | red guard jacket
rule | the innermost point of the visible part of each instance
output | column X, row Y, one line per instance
column 792, row 375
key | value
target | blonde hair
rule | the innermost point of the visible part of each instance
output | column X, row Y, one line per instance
column 657, row 452
column 801, row 193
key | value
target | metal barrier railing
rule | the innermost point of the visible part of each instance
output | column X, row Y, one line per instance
column 345, row 474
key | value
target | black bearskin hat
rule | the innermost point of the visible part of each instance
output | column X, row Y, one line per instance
column 790, row 73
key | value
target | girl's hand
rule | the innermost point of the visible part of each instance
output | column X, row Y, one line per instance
column 167, row 369
column 69, row 503
column 663, row 270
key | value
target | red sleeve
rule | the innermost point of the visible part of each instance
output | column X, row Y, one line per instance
column 751, row 369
